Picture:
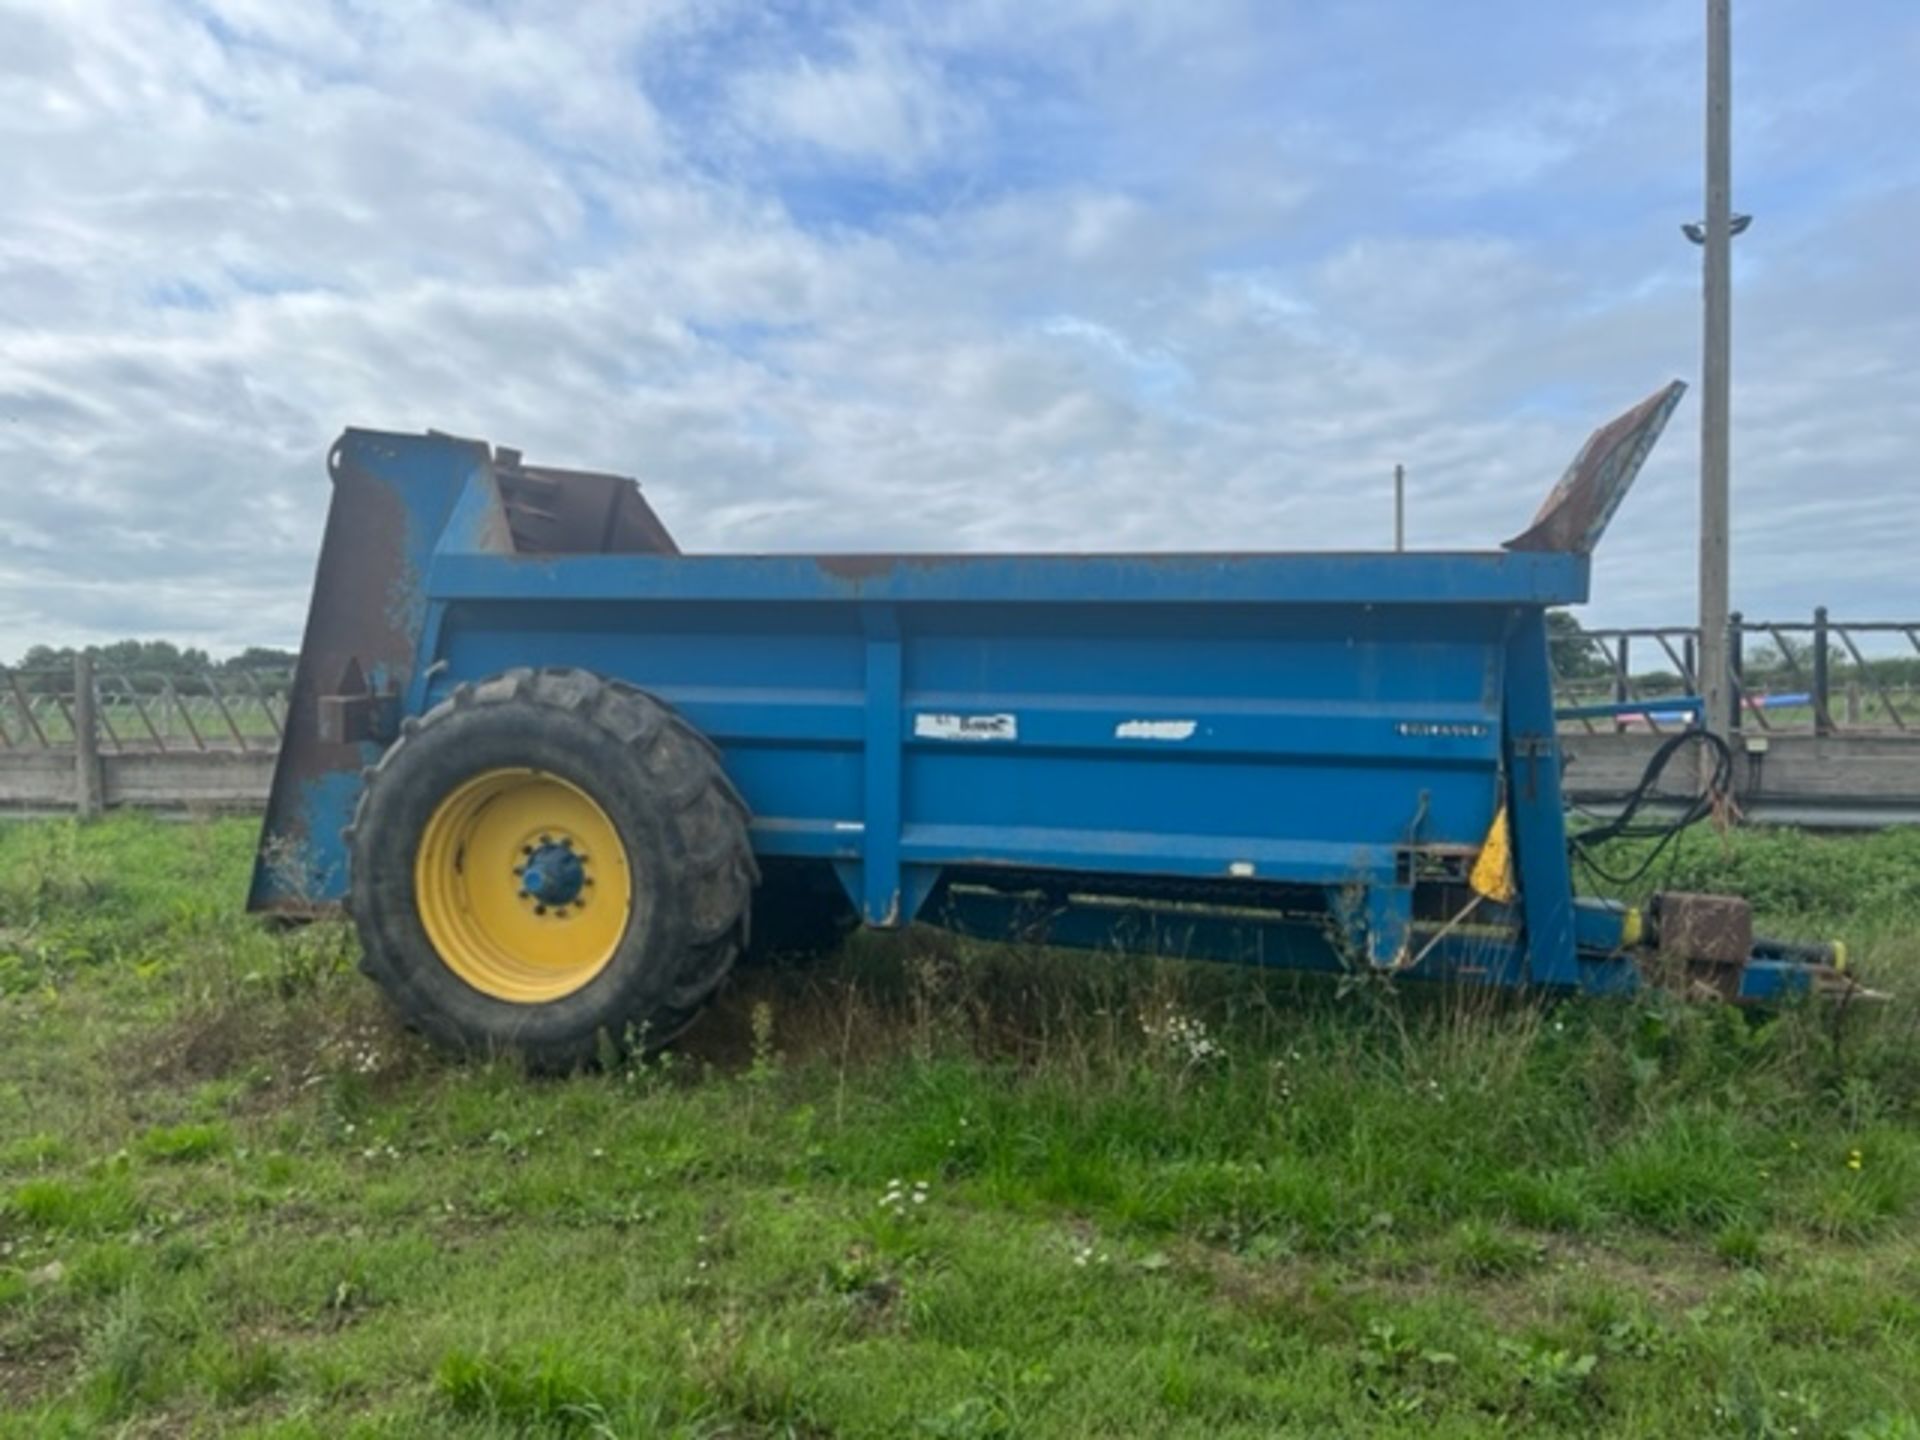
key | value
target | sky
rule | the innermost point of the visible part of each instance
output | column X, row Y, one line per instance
column 1082, row 275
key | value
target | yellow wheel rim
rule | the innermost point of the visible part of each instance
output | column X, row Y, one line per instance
column 523, row 886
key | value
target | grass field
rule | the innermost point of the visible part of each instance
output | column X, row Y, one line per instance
column 927, row 1189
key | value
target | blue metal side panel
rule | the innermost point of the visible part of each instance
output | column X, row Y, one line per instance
column 1303, row 742
column 1286, row 742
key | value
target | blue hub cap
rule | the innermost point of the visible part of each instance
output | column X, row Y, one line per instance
column 553, row 874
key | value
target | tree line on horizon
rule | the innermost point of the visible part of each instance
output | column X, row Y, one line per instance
column 140, row 659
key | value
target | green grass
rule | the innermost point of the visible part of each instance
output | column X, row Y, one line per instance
column 235, row 1200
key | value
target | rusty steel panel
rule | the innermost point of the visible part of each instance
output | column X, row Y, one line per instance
column 361, row 624
column 1576, row 512
column 577, row 512
column 1704, row 929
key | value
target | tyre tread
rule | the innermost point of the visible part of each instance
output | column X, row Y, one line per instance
column 716, row 868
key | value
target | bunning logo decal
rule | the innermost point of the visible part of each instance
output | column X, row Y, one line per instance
column 966, row 727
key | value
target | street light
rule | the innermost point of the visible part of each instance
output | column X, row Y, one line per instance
column 1696, row 230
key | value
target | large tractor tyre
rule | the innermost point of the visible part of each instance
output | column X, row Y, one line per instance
column 550, row 864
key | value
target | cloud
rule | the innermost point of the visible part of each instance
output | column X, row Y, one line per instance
column 1506, row 154
column 875, row 102
column 912, row 275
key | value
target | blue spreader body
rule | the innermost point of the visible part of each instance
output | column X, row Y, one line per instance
column 1278, row 758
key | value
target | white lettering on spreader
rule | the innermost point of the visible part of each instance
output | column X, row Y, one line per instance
column 1442, row 729
column 966, row 727
column 1155, row 729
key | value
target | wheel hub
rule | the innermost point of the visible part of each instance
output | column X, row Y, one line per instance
column 554, row 874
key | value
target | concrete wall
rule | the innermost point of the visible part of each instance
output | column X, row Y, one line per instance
column 1840, row 780
column 39, row 780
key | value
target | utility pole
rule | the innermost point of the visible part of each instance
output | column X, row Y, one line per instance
column 1399, row 507
column 1716, row 344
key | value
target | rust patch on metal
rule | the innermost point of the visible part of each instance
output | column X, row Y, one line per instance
column 577, row 512
column 354, row 712
column 859, row 567
column 1576, row 512
column 862, row 567
column 351, row 628
column 1704, row 929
